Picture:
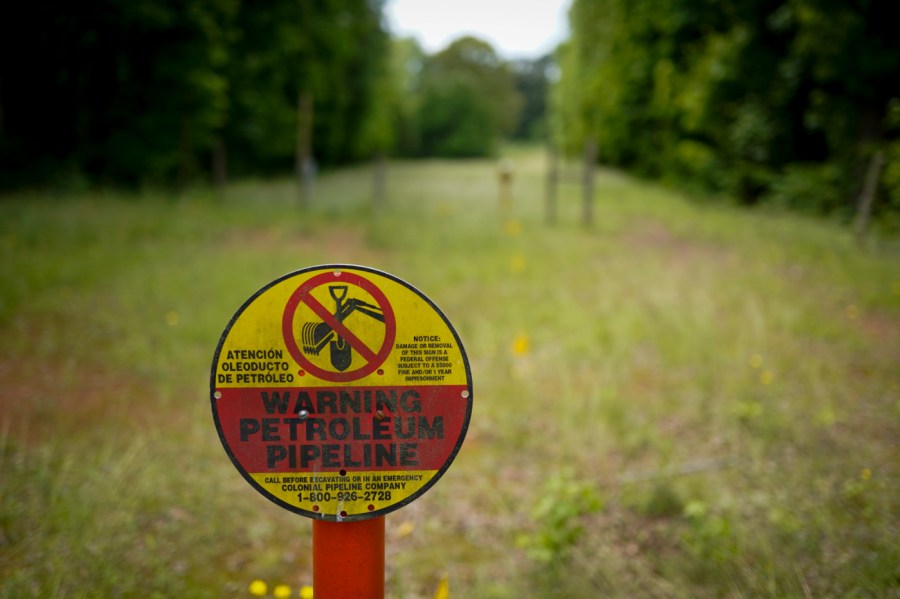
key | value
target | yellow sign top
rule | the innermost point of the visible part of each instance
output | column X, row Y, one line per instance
column 341, row 392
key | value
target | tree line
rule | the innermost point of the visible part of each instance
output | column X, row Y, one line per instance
column 140, row 92
column 788, row 102
column 779, row 101
column 153, row 91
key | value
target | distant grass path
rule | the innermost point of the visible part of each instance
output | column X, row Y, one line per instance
column 686, row 400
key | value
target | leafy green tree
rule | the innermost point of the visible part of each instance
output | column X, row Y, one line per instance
column 332, row 51
column 468, row 100
column 762, row 99
column 406, row 64
column 120, row 90
column 146, row 91
column 532, row 79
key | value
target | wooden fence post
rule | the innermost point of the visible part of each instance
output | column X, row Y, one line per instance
column 219, row 165
column 505, row 171
column 552, row 180
column 305, row 167
column 379, row 182
column 867, row 195
column 590, row 158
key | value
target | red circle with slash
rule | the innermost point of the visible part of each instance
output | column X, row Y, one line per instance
column 304, row 296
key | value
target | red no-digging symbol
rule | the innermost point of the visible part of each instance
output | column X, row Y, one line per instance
column 329, row 334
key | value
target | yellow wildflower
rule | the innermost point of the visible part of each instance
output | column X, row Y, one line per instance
column 258, row 588
column 406, row 528
column 443, row 589
column 282, row 591
column 520, row 344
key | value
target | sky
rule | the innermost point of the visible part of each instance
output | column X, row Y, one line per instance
column 515, row 28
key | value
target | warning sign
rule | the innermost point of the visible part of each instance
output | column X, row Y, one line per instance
column 341, row 392
column 324, row 333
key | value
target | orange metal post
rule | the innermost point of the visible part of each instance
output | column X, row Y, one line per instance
column 348, row 559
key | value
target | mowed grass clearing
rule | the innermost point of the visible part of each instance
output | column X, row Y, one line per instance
column 685, row 400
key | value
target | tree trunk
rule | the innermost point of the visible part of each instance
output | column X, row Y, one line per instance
column 219, row 165
column 867, row 195
column 552, row 183
column 305, row 166
column 590, row 158
column 379, row 181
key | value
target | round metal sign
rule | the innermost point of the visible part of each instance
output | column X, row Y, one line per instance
column 341, row 392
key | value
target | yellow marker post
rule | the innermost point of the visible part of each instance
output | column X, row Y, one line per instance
column 341, row 393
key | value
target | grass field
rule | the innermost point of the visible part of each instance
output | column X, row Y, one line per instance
column 686, row 400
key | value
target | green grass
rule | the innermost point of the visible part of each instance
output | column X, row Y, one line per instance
column 686, row 400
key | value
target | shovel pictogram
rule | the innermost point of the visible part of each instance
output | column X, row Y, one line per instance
column 316, row 335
